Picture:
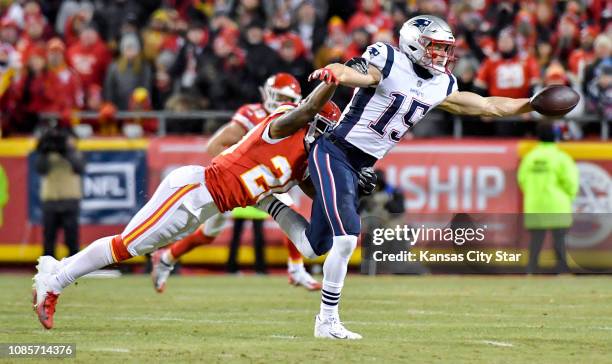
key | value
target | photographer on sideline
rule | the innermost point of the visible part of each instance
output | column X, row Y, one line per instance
column 60, row 166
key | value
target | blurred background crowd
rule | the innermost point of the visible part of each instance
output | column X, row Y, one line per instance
column 126, row 55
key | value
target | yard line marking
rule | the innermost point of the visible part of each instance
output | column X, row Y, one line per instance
column 291, row 337
column 497, row 343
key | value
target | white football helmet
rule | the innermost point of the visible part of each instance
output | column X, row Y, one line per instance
column 428, row 41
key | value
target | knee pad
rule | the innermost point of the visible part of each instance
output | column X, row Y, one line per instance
column 345, row 244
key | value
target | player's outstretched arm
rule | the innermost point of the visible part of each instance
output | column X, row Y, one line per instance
column 226, row 136
column 347, row 76
column 469, row 103
column 297, row 118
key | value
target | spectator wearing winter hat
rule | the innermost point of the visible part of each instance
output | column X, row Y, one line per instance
column 335, row 44
column 62, row 80
column 127, row 73
column 9, row 32
column 89, row 57
column 596, row 75
column 294, row 63
column 281, row 31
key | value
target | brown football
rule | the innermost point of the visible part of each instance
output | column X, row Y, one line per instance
column 556, row 100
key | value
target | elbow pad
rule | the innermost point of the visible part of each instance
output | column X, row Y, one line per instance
column 359, row 64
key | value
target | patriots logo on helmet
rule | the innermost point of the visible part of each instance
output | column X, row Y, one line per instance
column 421, row 23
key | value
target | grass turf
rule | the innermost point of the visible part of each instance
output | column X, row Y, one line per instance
column 252, row 319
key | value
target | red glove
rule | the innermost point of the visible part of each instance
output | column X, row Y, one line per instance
column 324, row 74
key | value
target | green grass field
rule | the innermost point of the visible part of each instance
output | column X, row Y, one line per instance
column 252, row 319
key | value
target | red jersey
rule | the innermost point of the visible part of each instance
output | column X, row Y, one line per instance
column 509, row 77
column 257, row 166
column 250, row 115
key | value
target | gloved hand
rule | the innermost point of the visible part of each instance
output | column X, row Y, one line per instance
column 367, row 181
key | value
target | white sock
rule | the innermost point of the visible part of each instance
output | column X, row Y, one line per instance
column 97, row 255
column 334, row 272
column 167, row 258
column 293, row 224
column 294, row 267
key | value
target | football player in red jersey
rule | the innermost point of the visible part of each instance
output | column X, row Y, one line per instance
column 278, row 89
column 271, row 158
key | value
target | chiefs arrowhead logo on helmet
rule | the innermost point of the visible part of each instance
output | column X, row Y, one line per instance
column 280, row 88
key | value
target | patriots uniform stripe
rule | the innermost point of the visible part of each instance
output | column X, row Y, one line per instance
column 451, row 83
column 389, row 62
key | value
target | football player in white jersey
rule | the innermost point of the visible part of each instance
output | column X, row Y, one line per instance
column 394, row 89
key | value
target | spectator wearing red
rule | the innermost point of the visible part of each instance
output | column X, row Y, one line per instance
column 62, row 81
column 360, row 41
column 77, row 22
column 281, row 32
column 371, row 17
column 89, row 57
column 294, row 63
column 508, row 73
column 32, row 40
column 9, row 32
column 580, row 58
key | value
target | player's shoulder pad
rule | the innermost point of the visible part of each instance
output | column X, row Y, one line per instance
column 380, row 55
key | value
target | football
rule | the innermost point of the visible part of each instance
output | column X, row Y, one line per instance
column 556, row 100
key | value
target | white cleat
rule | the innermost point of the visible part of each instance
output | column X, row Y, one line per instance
column 300, row 277
column 332, row 328
column 160, row 271
column 47, row 264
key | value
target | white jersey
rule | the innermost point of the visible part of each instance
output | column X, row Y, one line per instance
column 377, row 118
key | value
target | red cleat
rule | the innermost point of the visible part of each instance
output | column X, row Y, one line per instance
column 46, row 310
column 301, row 278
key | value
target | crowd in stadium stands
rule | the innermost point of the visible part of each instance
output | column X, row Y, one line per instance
column 108, row 55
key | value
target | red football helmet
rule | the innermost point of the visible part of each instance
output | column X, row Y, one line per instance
column 280, row 88
column 324, row 121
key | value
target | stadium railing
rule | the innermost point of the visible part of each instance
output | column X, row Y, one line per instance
column 166, row 117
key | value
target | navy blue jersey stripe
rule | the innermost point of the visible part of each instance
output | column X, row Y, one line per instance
column 451, row 83
column 389, row 62
column 356, row 108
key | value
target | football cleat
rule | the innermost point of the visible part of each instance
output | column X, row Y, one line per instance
column 44, row 299
column 47, row 264
column 332, row 328
column 160, row 271
column 300, row 277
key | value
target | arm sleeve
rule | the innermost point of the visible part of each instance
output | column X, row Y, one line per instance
column 381, row 56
